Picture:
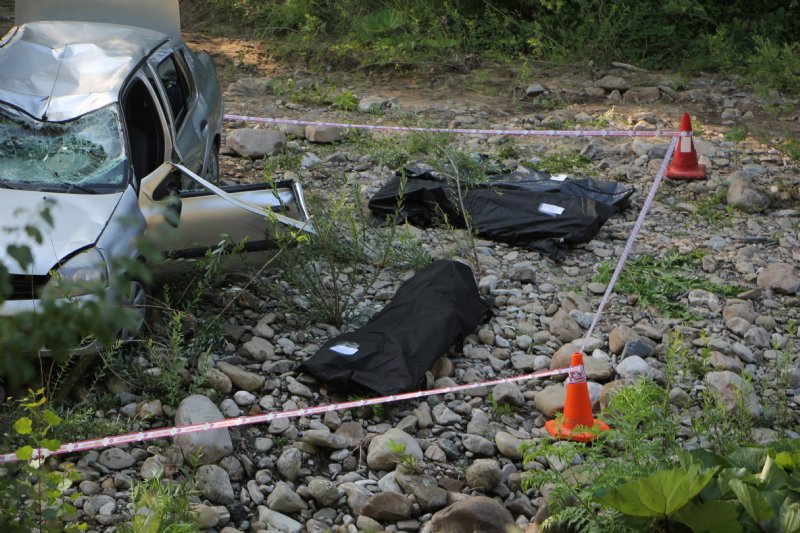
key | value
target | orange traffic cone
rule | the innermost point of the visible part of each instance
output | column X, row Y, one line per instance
column 577, row 409
column 684, row 164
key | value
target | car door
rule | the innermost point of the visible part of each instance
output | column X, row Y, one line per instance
column 186, row 109
column 185, row 224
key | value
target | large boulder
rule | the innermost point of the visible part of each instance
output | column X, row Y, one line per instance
column 256, row 144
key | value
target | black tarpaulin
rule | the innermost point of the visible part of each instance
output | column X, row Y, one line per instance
column 532, row 210
column 392, row 352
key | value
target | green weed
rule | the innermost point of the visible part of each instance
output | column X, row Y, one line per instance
column 161, row 505
column 713, row 210
column 409, row 463
column 498, row 410
column 661, row 281
column 32, row 496
column 327, row 270
column 284, row 162
column 775, row 66
column 639, row 445
column 563, row 162
column 791, row 148
column 736, row 134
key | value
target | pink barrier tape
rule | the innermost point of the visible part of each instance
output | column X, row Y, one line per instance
column 637, row 227
column 142, row 436
column 534, row 133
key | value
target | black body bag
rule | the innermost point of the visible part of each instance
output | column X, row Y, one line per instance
column 392, row 352
column 532, row 210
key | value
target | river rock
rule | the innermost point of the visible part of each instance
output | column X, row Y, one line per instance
column 213, row 483
column 381, row 457
column 779, row 277
column 387, row 506
column 256, row 144
column 484, row 474
column 202, row 447
column 478, row 513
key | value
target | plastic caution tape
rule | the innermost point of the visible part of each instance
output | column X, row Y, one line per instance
column 160, row 433
column 534, row 133
column 637, row 227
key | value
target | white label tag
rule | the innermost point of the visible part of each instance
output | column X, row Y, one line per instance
column 550, row 209
column 558, row 177
column 348, row 348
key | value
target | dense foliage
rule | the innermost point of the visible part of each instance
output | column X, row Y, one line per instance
column 759, row 37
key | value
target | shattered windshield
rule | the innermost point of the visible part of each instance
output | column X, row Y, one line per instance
column 84, row 155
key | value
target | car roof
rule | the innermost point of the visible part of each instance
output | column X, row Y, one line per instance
column 57, row 71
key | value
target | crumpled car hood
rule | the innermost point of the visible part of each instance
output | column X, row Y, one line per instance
column 78, row 221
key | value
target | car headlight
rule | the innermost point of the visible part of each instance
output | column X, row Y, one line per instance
column 81, row 274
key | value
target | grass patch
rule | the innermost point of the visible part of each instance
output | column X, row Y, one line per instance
column 562, row 163
column 315, row 94
column 791, row 148
column 713, row 210
column 736, row 134
column 396, row 151
column 660, row 282
column 287, row 161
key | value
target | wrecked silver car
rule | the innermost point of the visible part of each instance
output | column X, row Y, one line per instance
column 110, row 120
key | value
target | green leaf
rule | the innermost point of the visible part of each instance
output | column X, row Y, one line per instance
column 51, row 418
column 725, row 477
column 50, row 444
column 750, row 458
column 711, row 517
column 23, row 426
column 753, row 502
column 25, row 453
column 789, row 460
column 709, row 459
column 790, row 517
column 384, row 21
column 658, row 495
column 772, row 476
column 21, row 254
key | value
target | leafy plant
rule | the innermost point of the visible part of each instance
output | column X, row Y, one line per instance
column 31, row 495
column 661, row 281
column 775, row 66
column 778, row 373
column 407, row 461
column 326, row 271
column 736, row 134
column 562, row 163
column 376, row 411
column 345, row 100
column 641, row 442
column 161, row 506
column 749, row 489
column 712, row 208
column 791, row 148
column 498, row 410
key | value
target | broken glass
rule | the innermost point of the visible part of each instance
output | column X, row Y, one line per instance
column 82, row 155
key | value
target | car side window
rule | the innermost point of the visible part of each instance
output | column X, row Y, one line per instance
column 176, row 87
column 144, row 128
